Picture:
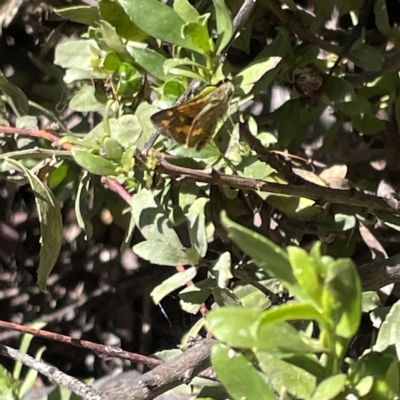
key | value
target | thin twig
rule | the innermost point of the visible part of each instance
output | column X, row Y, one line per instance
column 238, row 22
column 52, row 373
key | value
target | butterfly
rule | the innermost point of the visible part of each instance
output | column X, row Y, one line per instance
column 193, row 123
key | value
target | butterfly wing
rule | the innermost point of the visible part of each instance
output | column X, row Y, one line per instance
column 193, row 123
column 204, row 124
column 176, row 122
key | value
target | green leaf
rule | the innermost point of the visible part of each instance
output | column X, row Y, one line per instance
column 344, row 6
column 247, row 78
column 240, row 378
column 222, row 269
column 367, row 58
column 355, row 107
column 266, row 254
column 343, row 283
column 15, row 97
column 382, row 18
column 162, row 253
column 85, row 100
column 186, row 11
column 224, row 25
column 81, row 58
column 384, row 369
column 368, row 123
column 81, row 14
column 112, row 12
column 113, row 149
column 233, row 325
column 174, row 282
column 330, row 387
column 197, row 225
column 268, row 337
column 51, row 232
column 199, row 36
column 152, row 221
column 126, row 129
column 389, row 333
column 149, row 60
column 193, row 296
column 93, row 163
column 82, row 206
column 306, row 272
column 24, row 346
column 158, row 20
column 252, row 167
column 292, row 311
column 285, row 376
column 338, row 89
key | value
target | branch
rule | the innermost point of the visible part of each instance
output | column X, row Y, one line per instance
column 52, row 373
column 306, row 189
column 377, row 274
column 98, row 349
column 177, row 371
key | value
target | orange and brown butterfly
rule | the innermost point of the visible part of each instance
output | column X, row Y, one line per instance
column 193, row 123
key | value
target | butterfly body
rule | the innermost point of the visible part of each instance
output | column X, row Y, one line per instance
column 193, row 123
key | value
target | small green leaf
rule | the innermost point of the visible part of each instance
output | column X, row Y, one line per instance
column 149, row 60
column 330, row 387
column 199, row 36
column 113, row 13
column 85, row 100
column 162, row 253
column 222, row 269
column 93, row 163
column 368, row 123
column 113, row 149
column 197, row 225
column 343, row 283
column 367, row 58
column 389, row 333
column 15, row 96
column 285, row 376
column 292, row 311
column 233, row 325
column 306, row 272
column 268, row 337
column 174, row 282
column 266, row 254
column 224, row 25
column 82, row 205
column 239, row 376
column 186, row 11
column 193, row 296
column 158, row 20
column 152, row 221
column 338, row 89
column 81, row 14
column 248, row 77
column 51, row 232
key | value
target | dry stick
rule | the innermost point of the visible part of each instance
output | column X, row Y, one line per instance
column 52, row 373
column 180, row 370
column 99, row 349
column 238, row 22
column 377, row 274
column 321, row 194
